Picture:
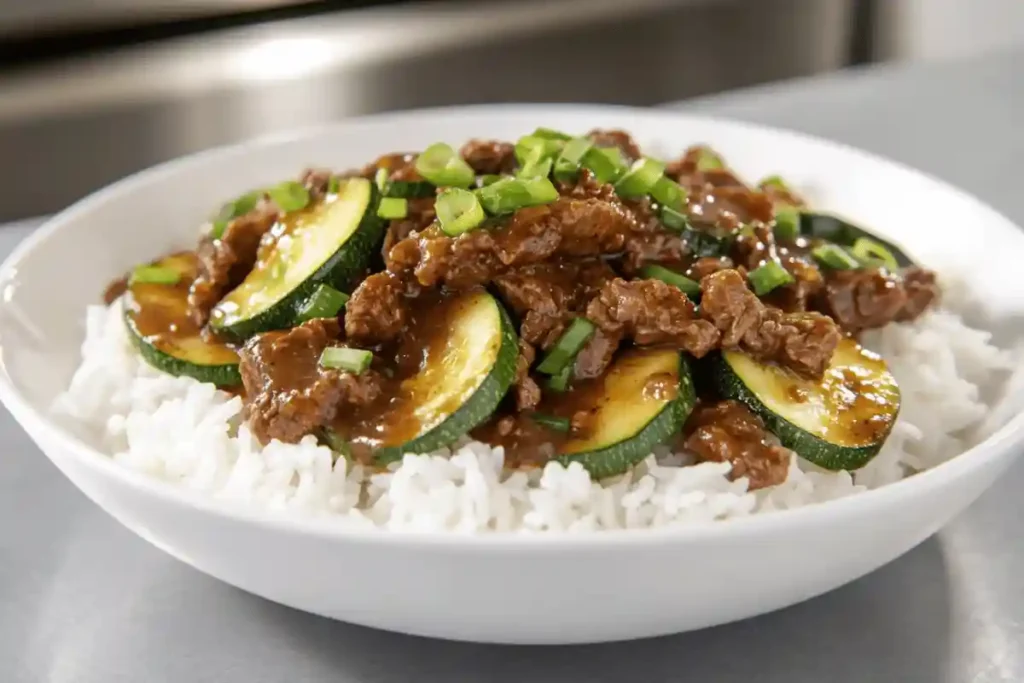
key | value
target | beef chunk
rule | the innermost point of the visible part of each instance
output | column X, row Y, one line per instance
column 803, row 342
column 617, row 138
column 489, row 156
column 224, row 262
column 869, row 298
column 652, row 312
column 596, row 355
column 420, row 214
column 288, row 394
column 922, row 292
column 316, row 181
column 400, row 166
column 527, row 391
column 728, row 432
column 377, row 311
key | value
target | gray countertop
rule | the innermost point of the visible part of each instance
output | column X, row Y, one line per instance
column 82, row 599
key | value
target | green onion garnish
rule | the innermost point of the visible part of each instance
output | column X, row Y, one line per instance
column 568, row 163
column 458, row 211
column 559, row 424
column 289, row 196
column 768, row 276
column 380, row 178
column 336, row 442
column 488, row 179
column 393, row 208
column 343, row 358
column 233, row 209
column 154, row 275
column 774, row 181
column 535, row 169
column 441, row 165
column 532, row 148
column 835, row 257
column 787, row 224
column 606, row 163
column 551, row 134
column 568, row 345
column 870, row 252
column 709, row 160
column 668, row 192
column 689, row 287
column 560, row 382
column 324, row 302
column 640, row 177
column 334, row 183
column 510, row 194
column 673, row 220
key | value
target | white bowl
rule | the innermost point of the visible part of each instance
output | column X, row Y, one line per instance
column 546, row 588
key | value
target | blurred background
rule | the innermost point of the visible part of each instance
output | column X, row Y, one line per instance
column 91, row 90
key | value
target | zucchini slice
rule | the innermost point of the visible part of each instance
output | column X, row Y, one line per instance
column 329, row 243
column 156, row 315
column 641, row 401
column 838, row 423
column 469, row 348
column 844, row 233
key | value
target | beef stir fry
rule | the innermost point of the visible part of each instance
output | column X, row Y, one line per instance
column 563, row 297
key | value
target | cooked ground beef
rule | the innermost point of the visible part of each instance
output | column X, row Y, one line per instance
column 728, row 432
column 288, row 393
column 377, row 311
column 316, row 181
column 596, row 355
column 527, row 391
column 419, row 215
column 489, row 156
column 617, row 138
column 803, row 342
column 224, row 262
column 652, row 312
column 870, row 298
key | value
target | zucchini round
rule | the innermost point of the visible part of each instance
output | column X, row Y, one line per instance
column 330, row 243
column 642, row 400
column 839, row 422
column 463, row 377
column 159, row 326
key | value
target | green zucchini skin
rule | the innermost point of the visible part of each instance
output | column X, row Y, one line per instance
column 844, row 233
column 477, row 408
column 616, row 458
column 338, row 270
column 410, row 189
column 809, row 446
column 184, row 352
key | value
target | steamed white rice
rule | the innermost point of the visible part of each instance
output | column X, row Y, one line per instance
column 189, row 433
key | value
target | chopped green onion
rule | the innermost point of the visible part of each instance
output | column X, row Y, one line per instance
column 768, row 276
column 458, row 211
column 343, row 358
column 568, row 345
column 673, row 220
column 559, row 424
column 688, row 286
column 535, row 169
column 560, row 382
column 835, row 257
column 324, row 302
column 774, row 181
column 568, row 163
column 334, row 184
column 709, row 160
column 289, row 196
column 787, row 224
column 154, row 275
column 393, row 208
column 336, row 442
column 488, row 179
column 668, row 192
column 640, row 177
column 870, row 252
column 532, row 148
column 551, row 134
column 380, row 178
column 441, row 165
column 606, row 163
column 233, row 209
column 509, row 194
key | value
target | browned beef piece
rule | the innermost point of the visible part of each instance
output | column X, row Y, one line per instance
column 652, row 312
column 546, row 295
column 728, row 432
column 489, row 156
column 316, row 181
column 115, row 289
column 420, row 214
column 377, row 311
column 596, row 355
column 527, row 391
column 803, row 342
column 288, row 394
column 400, row 165
column 617, row 138
column 224, row 262
column 870, row 298
column 706, row 265
column 567, row 227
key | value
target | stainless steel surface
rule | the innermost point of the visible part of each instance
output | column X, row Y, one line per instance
column 69, row 128
column 83, row 600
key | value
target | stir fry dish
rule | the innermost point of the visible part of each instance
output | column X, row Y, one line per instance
column 564, row 297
